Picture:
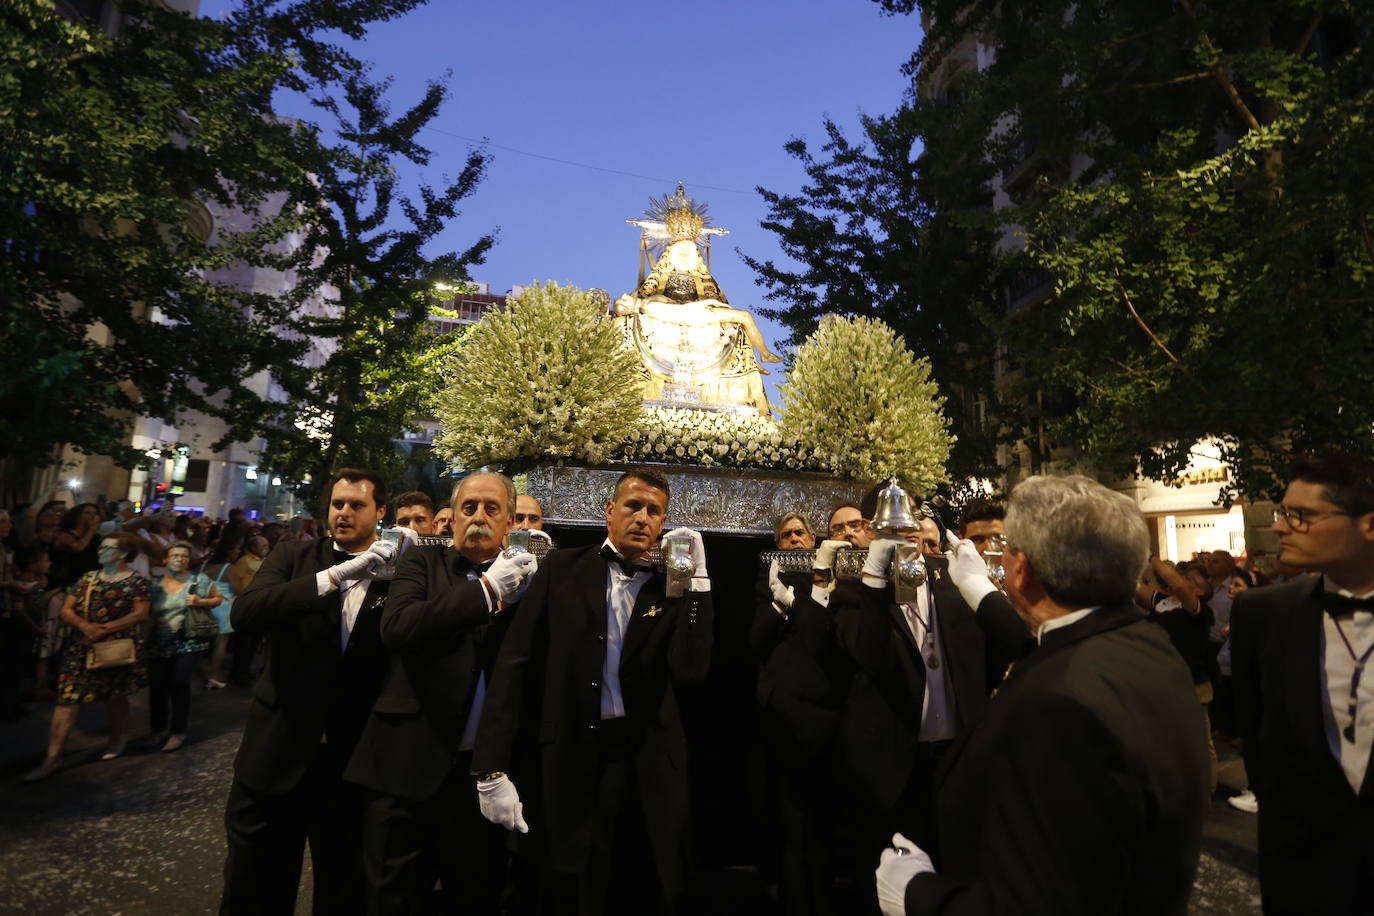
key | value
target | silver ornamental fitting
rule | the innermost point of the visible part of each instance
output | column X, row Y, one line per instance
column 849, row 561
column 679, row 563
column 517, row 542
column 894, row 514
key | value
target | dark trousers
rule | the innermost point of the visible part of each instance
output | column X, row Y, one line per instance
column 913, row 815
column 807, row 815
column 408, row 845
column 621, row 877
column 267, row 836
column 244, row 644
column 169, row 686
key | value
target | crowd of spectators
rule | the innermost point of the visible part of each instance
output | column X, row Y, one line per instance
column 72, row 576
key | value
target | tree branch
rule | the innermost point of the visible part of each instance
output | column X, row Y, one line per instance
column 1301, row 49
column 1219, row 72
column 1126, row 297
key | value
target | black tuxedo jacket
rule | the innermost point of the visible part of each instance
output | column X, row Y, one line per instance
column 1082, row 789
column 549, row 669
column 310, row 688
column 881, row 722
column 802, row 674
column 1316, row 834
column 441, row 638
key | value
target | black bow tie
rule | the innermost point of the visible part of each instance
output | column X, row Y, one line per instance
column 629, row 567
column 1344, row 606
column 465, row 565
column 341, row 556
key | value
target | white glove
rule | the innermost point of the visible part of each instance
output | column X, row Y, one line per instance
column 359, row 567
column 508, row 576
column 390, row 552
column 541, row 535
column 782, row 594
column 825, row 554
column 896, row 867
column 500, row 803
column 969, row 570
column 879, row 561
column 698, row 550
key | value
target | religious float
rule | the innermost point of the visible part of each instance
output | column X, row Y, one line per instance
column 567, row 388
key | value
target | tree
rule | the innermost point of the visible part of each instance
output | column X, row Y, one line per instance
column 864, row 234
column 113, row 146
column 384, row 361
column 1194, row 182
column 1189, row 187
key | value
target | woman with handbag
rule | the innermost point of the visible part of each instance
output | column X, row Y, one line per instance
column 105, row 608
column 183, row 628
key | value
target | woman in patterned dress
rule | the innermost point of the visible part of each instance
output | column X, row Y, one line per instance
column 109, row 602
column 172, row 654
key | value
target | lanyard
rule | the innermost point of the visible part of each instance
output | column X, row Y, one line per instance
column 1349, row 731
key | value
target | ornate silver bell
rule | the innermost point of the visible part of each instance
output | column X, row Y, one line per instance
column 894, row 515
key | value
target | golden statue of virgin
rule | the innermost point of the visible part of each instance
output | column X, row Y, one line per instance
column 696, row 349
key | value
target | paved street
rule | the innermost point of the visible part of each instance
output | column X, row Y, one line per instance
column 144, row 833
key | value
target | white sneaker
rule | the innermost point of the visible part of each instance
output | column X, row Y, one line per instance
column 1245, row 801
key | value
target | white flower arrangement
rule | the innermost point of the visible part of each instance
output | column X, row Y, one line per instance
column 674, row 435
column 548, row 380
column 856, row 392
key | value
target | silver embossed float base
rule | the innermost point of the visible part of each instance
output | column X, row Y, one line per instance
column 718, row 500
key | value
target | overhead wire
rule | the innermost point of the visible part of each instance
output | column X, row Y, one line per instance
column 582, row 165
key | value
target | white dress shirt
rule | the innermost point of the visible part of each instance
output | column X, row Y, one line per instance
column 1066, row 620
column 622, row 591
column 354, row 592
column 937, row 715
column 1338, row 668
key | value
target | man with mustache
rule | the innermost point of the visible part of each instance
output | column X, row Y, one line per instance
column 448, row 611
column 587, row 674
column 1304, row 685
column 320, row 604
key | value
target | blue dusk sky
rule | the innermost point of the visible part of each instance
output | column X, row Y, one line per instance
column 590, row 108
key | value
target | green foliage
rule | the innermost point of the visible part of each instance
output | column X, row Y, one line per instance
column 856, row 392
column 1198, row 194
column 548, row 380
column 862, row 241
column 382, row 360
column 109, row 144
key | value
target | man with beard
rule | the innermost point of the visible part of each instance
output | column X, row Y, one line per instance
column 448, row 609
column 320, row 603
column 589, row 670
column 1083, row 786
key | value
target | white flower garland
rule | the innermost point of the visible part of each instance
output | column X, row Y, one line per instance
column 684, row 436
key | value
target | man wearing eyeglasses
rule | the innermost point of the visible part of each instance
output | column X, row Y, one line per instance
column 1301, row 662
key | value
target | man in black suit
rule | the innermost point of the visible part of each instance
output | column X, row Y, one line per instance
column 802, row 675
column 445, row 616
column 920, row 679
column 588, row 668
column 1083, row 787
column 1300, row 654
column 320, row 603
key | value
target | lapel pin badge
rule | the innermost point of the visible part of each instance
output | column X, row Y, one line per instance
column 653, row 611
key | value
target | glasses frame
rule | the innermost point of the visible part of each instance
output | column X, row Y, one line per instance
column 1301, row 520
column 854, row 524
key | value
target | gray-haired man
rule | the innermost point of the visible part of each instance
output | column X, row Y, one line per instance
column 1084, row 786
